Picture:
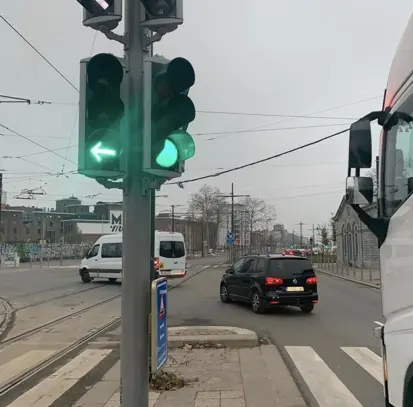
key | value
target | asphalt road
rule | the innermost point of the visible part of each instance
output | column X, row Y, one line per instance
column 23, row 287
column 344, row 317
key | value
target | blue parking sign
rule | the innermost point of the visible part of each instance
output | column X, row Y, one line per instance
column 159, row 324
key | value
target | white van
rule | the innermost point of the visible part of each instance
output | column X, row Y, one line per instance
column 104, row 260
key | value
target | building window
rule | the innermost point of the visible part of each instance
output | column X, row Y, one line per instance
column 356, row 242
column 15, row 231
column 343, row 243
column 51, row 224
column 38, row 231
column 27, row 231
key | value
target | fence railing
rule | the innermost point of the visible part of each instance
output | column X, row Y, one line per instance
column 368, row 273
column 13, row 255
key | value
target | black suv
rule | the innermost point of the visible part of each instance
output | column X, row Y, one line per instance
column 265, row 281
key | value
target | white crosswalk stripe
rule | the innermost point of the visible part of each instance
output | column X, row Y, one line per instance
column 316, row 374
column 49, row 390
column 368, row 360
column 325, row 384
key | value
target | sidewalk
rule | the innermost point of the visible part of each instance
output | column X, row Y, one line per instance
column 366, row 275
column 211, row 377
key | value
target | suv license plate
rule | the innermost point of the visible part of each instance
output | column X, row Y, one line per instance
column 295, row 288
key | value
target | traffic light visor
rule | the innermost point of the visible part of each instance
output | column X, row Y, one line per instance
column 180, row 75
column 104, row 69
column 184, row 144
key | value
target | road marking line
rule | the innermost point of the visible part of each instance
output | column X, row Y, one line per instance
column 199, row 266
column 216, row 265
column 205, row 267
column 50, row 389
column 326, row 387
column 22, row 363
column 368, row 360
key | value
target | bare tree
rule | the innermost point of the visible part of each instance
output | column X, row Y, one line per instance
column 208, row 202
column 258, row 213
column 74, row 236
column 323, row 232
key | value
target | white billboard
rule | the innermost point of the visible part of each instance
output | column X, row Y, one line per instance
column 115, row 221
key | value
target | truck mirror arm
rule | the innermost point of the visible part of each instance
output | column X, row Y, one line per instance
column 378, row 226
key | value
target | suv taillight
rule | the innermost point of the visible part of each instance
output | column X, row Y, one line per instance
column 311, row 280
column 156, row 263
column 273, row 281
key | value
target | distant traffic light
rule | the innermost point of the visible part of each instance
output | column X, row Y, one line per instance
column 97, row 6
column 171, row 112
column 100, row 141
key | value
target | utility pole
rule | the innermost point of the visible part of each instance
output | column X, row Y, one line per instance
column 301, row 234
column 293, row 238
column 136, row 239
column 1, row 203
column 173, row 218
column 233, row 196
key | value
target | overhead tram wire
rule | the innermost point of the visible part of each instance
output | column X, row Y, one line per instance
column 217, row 174
column 38, row 52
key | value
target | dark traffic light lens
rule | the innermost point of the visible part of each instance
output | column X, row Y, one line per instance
column 181, row 75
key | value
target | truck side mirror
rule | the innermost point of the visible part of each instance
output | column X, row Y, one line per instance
column 359, row 190
column 360, row 150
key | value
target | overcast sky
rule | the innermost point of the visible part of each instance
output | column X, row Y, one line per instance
column 289, row 57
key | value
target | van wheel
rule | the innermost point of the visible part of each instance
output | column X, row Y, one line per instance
column 112, row 280
column 86, row 277
column 307, row 308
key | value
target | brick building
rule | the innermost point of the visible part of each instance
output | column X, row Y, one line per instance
column 356, row 244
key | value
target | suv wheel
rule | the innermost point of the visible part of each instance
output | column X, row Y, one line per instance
column 256, row 303
column 307, row 308
column 223, row 293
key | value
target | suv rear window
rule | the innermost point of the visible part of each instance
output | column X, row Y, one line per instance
column 171, row 250
column 287, row 267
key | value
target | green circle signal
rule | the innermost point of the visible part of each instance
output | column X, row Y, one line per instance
column 168, row 156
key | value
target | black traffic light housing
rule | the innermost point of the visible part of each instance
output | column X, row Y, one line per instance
column 97, row 7
column 100, row 141
column 171, row 112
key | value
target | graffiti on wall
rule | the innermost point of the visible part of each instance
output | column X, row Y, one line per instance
column 33, row 251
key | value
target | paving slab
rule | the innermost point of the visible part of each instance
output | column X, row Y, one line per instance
column 226, row 377
column 219, row 335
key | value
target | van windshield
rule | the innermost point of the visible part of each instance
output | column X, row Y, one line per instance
column 171, row 250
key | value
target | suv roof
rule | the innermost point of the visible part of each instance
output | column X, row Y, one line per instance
column 273, row 256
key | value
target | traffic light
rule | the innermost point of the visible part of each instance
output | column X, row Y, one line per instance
column 167, row 113
column 97, row 6
column 101, row 110
column 165, row 15
column 98, row 14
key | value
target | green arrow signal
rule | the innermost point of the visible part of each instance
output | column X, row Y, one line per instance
column 98, row 152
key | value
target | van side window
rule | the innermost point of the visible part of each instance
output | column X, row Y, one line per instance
column 111, row 250
column 93, row 251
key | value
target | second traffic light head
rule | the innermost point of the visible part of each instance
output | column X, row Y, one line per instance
column 104, row 76
column 96, row 6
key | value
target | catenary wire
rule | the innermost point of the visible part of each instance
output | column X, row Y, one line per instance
column 217, row 174
column 38, row 52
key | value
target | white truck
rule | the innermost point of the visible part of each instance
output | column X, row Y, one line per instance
column 393, row 225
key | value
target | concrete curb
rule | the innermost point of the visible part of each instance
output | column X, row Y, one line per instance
column 238, row 338
column 353, row 280
column 6, row 316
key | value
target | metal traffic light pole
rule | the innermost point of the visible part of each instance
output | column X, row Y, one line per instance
column 137, row 228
